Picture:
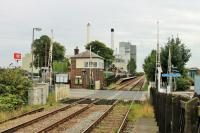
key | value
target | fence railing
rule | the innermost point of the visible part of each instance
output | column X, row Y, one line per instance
column 175, row 114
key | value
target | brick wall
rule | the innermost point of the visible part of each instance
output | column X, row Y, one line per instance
column 97, row 75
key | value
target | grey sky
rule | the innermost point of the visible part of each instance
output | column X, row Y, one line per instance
column 133, row 20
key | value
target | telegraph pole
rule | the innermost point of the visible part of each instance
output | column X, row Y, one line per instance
column 158, row 64
column 50, row 59
column 170, row 71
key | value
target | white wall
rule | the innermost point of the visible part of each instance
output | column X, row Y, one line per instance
column 80, row 62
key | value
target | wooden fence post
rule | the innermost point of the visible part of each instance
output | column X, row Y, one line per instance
column 191, row 115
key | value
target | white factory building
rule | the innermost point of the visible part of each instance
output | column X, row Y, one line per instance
column 127, row 51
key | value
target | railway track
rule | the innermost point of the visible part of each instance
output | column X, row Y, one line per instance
column 113, row 120
column 138, row 86
column 29, row 125
column 22, row 115
column 125, row 85
column 134, row 84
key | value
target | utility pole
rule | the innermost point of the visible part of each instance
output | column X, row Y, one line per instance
column 170, row 71
column 90, row 65
column 32, row 57
column 50, row 59
column 158, row 64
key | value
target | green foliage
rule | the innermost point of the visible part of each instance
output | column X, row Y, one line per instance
column 131, row 67
column 102, row 50
column 190, row 80
column 149, row 66
column 51, row 100
column 61, row 66
column 179, row 53
column 183, row 84
column 10, row 102
column 41, row 48
column 139, row 73
column 14, row 87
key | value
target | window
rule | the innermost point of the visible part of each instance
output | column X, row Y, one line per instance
column 94, row 64
column 78, row 80
column 85, row 64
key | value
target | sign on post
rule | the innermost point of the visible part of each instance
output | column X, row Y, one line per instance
column 17, row 56
column 171, row 75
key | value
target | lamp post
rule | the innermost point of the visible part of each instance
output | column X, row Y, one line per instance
column 34, row 29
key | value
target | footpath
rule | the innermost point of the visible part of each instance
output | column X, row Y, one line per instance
column 145, row 125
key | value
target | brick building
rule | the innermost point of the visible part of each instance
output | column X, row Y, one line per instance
column 86, row 70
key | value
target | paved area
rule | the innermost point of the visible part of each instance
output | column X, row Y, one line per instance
column 145, row 125
column 108, row 94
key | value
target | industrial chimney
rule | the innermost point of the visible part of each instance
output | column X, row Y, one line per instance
column 112, row 39
column 76, row 51
column 88, row 33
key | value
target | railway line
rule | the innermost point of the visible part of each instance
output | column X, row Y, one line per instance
column 79, row 116
column 133, row 84
column 30, row 124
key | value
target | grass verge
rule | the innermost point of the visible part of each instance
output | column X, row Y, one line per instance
column 51, row 103
column 111, row 86
column 145, row 88
column 140, row 110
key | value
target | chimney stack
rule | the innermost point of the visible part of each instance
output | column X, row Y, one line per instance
column 76, row 51
column 88, row 33
column 112, row 39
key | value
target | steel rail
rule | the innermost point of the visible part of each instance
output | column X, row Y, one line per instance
column 52, row 126
column 93, row 125
column 125, row 120
column 137, row 83
column 25, row 124
column 24, row 114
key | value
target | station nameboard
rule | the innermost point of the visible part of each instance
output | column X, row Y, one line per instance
column 171, row 75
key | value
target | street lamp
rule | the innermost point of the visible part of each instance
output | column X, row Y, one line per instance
column 34, row 29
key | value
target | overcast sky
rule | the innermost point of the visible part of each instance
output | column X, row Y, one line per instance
column 133, row 20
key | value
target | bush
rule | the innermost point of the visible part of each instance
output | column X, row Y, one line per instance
column 183, row 84
column 14, row 86
column 10, row 102
column 190, row 80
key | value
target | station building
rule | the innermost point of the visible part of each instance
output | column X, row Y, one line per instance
column 86, row 69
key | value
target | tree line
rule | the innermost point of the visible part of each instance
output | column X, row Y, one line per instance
column 180, row 55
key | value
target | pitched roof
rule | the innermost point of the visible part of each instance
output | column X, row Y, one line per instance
column 86, row 54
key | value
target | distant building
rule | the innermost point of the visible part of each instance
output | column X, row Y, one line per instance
column 127, row 51
column 85, row 69
column 26, row 63
column 120, row 63
column 193, row 72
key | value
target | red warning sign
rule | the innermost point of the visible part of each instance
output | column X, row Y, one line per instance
column 17, row 56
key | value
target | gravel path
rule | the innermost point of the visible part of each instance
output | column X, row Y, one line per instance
column 15, row 122
column 50, row 120
column 82, row 121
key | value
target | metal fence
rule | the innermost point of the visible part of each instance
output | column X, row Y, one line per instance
column 175, row 114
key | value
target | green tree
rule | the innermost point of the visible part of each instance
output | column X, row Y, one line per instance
column 102, row 50
column 179, row 52
column 61, row 66
column 149, row 66
column 41, row 48
column 131, row 67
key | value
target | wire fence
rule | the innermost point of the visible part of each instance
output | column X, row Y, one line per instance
column 175, row 114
